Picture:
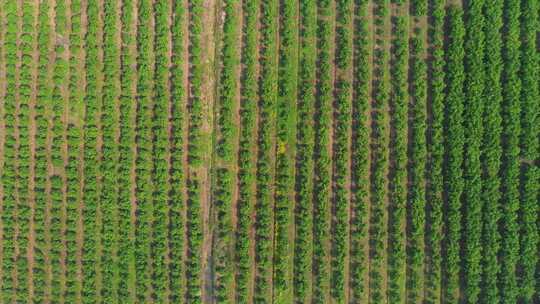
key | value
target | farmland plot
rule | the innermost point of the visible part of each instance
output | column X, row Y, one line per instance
column 280, row 151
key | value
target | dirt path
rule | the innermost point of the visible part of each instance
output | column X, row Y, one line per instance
column 217, row 162
column 234, row 166
column 458, row 3
column 205, row 171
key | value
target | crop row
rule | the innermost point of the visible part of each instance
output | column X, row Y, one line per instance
column 341, row 151
column 360, row 154
column 3, row 137
column 528, row 214
column 285, row 135
column 417, row 165
column 194, row 155
column 41, row 278
column 491, row 152
column 417, row 153
column 144, row 167
column 161, row 153
column 510, row 154
column 72, row 170
column 246, row 157
column 473, row 105
column 109, row 121
column 454, row 141
column 177, row 144
column 379, row 152
column 92, row 157
column 399, row 98
column 25, row 87
column 9, row 172
column 57, row 182
column 304, row 158
column 322, row 157
column 434, row 191
column 9, row 51
column 265, row 161
column 223, row 196
column 127, row 106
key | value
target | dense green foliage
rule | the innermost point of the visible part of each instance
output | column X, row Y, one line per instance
column 265, row 162
column 73, row 172
column 398, row 166
column 246, row 157
column 110, row 153
column 92, row 157
column 491, row 154
column 510, row 154
column 24, row 198
column 126, row 140
column 161, row 153
column 435, row 150
column 176, row 229
column 40, row 272
column 9, row 170
column 304, row 160
column 322, row 159
column 194, row 229
column 360, row 154
column 454, row 141
column 341, row 149
column 417, row 165
column 530, row 106
column 223, row 199
column 379, row 155
column 247, row 151
column 285, row 152
column 472, row 171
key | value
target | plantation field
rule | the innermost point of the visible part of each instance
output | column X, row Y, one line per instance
column 269, row 151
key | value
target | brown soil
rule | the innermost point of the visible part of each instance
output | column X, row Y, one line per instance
column 236, row 113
